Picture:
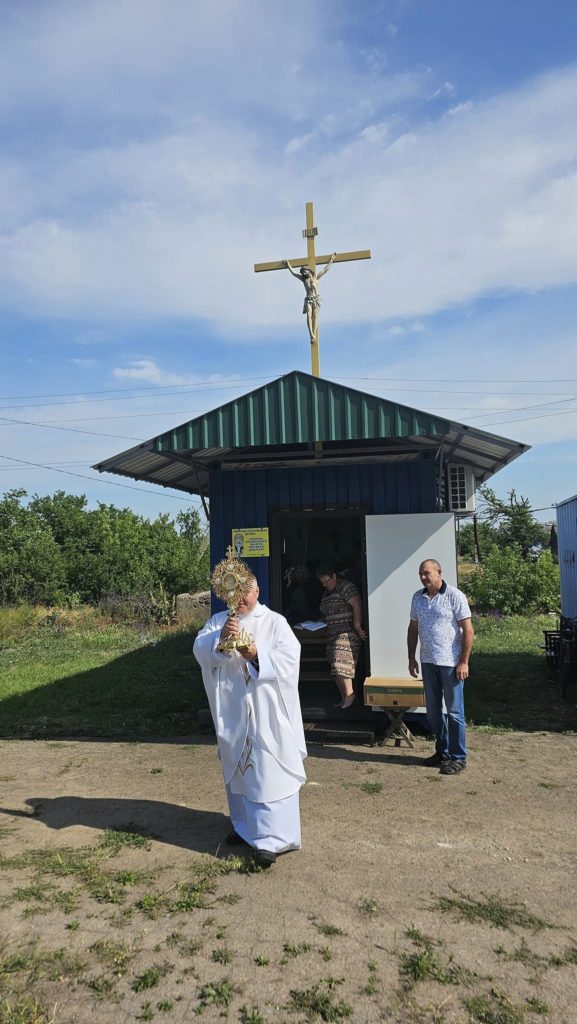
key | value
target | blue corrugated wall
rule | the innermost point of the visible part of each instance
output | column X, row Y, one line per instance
column 567, row 536
column 244, row 498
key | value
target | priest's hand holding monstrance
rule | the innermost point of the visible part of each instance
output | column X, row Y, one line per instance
column 231, row 581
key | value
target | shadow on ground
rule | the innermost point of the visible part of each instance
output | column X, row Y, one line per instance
column 194, row 830
column 154, row 691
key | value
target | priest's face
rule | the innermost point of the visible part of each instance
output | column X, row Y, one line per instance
column 248, row 602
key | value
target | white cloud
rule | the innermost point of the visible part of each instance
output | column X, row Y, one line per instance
column 169, row 222
column 460, row 108
column 147, row 370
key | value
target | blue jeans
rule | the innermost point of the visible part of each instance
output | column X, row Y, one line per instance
column 441, row 681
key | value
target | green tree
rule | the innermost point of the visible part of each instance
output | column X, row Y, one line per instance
column 488, row 538
column 512, row 521
column 56, row 547
column 508, row 583
column 31, row 565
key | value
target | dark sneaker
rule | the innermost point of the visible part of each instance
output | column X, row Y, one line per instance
column 453, row 767
column 264, row 858
column 436, row 760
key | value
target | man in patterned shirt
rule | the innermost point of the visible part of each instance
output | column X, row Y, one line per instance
column 441, row 622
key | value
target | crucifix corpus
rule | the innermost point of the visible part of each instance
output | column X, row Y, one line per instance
column 310, row 278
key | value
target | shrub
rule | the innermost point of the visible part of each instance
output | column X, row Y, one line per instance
column 55, row 550
column 507, row 583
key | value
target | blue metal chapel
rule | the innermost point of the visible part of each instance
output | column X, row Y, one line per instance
column 310, row 459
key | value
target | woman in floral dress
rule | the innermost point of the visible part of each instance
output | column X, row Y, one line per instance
column 342, row 611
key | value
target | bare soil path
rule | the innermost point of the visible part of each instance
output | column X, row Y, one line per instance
column 416, row 897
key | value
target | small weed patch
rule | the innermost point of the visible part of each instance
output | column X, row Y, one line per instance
column 217, row 993
column 566, row 958
column 494, row 1009
column 319, row 1001
column 374, row 981
column 426, row 965
column 149, row 978
column 291, row 950
column 522, row 955
column 115, row 839
column 536, row 1006
column 39, row 964
column 491, row 909
column 222, row 955
column 193, row 896
column 253, row 1016
column 368, row 907
column 24, row 1011
column 149, row 904
column 328, row 930
column 114, row 955
column 103, row 986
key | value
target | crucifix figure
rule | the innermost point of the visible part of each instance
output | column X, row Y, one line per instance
column 312, row 303
column 310, row 277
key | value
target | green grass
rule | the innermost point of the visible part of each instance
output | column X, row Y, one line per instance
column 75, row 674
column 319, row 1001
column 24, row 1011
column 131, row 835
column 216, row 993
column 148, row 979
column 253, row 1016
column 427, row 964
column 328, row 930
column 82, row 676
column 491, row 909
column 510, row 685
column 494, row 1009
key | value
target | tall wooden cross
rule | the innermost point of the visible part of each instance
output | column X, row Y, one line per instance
column 311, row 260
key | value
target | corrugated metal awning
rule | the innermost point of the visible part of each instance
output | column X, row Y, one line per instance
column 284, row 422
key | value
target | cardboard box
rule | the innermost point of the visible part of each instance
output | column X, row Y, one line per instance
column 383, row 692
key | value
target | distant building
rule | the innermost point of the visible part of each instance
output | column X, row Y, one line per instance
column 567, row 548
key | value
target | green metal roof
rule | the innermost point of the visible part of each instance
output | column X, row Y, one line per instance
column 298, row 409
column 279, row 425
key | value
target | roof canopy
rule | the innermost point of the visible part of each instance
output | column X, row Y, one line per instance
column 301, row 420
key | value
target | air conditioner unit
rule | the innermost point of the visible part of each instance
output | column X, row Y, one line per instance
column 461, row 486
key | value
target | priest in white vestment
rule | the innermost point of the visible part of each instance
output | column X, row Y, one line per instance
column 253, row 696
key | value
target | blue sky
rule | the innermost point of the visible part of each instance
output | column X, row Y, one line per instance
column 151, row 151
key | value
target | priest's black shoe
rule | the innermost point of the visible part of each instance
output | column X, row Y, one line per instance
column 233, row 839
column 264, row 858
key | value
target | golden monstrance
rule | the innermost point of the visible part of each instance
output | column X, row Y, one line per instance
column 231, row 580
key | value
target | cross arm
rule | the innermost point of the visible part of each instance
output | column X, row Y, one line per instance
column 341, row 257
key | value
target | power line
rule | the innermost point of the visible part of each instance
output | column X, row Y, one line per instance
column 522, row 408
column 196, row 412
column 82, row 476
column 73, row 430
column 125, row 393
column 49, row 465
column 230, row 384
column 247, row 380
column 525, row 419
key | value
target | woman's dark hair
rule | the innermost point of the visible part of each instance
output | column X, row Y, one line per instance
column 324, row 569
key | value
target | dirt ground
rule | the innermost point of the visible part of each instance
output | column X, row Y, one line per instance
column 364, row 924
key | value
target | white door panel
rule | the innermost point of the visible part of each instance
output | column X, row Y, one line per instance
column 396, row 545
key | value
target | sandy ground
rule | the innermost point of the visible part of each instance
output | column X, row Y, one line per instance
column 383, row 840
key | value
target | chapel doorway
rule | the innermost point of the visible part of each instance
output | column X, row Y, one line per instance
column 301, row 541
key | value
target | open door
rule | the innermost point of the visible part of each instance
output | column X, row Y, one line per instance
column 395, row 546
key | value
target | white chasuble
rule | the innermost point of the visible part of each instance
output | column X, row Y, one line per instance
column 256, row 711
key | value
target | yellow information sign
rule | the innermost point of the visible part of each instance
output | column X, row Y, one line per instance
column 250, row 543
